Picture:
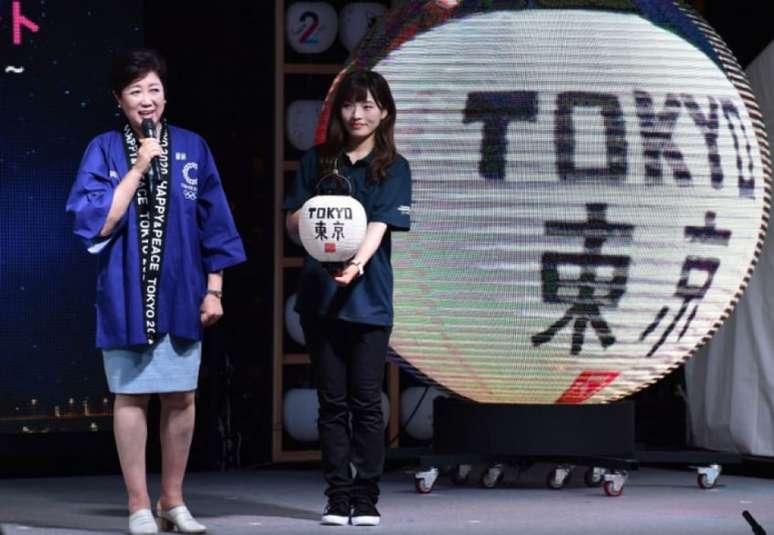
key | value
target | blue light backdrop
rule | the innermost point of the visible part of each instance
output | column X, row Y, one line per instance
column 54, row 97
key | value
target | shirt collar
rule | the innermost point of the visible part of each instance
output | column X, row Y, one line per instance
column 363, row 162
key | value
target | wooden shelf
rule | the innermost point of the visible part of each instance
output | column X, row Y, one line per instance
column 312, row 68
column 284, row 456
column 292, row 262
column 289, row 359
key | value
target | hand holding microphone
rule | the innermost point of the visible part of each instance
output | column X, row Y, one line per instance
column 148, row 154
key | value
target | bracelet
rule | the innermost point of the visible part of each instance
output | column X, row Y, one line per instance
column 216, row 293
column 358, row 265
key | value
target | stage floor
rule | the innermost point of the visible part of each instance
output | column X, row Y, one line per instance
column 289, row 501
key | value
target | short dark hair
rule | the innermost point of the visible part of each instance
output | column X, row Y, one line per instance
column 135, row 64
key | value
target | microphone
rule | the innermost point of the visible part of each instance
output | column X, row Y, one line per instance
column 757, row 529
column 154, row 173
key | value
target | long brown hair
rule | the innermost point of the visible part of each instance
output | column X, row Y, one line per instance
column 354, row 87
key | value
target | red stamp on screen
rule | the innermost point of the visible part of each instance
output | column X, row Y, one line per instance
column 330, row 247
column 587, row 384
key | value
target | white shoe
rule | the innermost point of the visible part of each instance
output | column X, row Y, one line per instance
column 142, row 521
column 178, row 517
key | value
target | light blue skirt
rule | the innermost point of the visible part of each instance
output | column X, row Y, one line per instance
column 169, row 365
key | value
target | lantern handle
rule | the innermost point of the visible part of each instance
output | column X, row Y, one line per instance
column 334, row 175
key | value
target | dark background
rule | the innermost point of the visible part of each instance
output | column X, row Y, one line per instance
column 221, row 81
column 49, row 109
column 221, row 85
column 48, row 113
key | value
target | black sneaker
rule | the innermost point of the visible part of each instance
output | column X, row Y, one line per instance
column 364, row 512
column 336, row 513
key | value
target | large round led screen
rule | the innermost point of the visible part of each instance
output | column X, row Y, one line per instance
column 590, row 190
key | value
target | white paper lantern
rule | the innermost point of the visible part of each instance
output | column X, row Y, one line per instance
column 332, row 227
column 293, row 321
column 311, row 27
column 420, row 426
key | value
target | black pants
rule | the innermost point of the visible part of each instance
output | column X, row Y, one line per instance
column 348, row 366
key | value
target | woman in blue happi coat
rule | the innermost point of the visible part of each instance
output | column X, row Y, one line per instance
column 163, row 233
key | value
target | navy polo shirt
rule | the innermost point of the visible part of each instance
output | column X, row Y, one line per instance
column 368, row 299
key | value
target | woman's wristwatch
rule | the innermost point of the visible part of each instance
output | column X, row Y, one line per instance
column 358, row 265
column 216, row 293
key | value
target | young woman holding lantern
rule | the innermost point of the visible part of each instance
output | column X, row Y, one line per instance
column 346, row 313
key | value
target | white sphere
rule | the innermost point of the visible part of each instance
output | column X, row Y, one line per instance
column 300, row 410
column 293, row 321
column 301, row 122
column 332, row 227
column 311, row 27
column 421, row 425
column 385, row 410
column 355, row 21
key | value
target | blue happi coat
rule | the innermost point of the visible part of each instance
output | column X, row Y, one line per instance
column 200, row 238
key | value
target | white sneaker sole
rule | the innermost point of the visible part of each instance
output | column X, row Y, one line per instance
column 334, row 520
column 365, row 520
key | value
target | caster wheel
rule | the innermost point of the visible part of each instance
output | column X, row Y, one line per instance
column 492, row 477
column 422, row 487
column 705, row 482
column 611, row 489
column 707, row 476
column 594, row 476
column 558, row 477
column 461, row 474
column 553, row 482
column 424, row 481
